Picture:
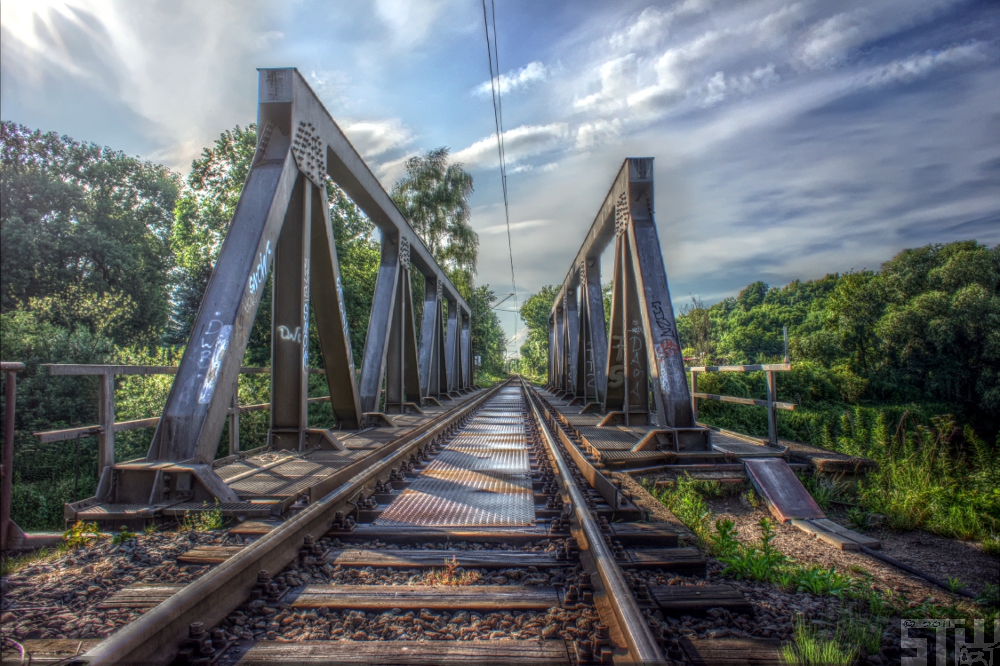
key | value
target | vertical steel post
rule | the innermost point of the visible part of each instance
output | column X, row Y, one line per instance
column 377, row 340
column 290, row 324
column 598, row 334
column 429, row 328
column 772, row 411
column 106, row 417
column 452, row 360
column 7, row 475
column 466, row 348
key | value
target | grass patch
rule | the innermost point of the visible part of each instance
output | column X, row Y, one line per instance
column 810, row 647
column 202, row 521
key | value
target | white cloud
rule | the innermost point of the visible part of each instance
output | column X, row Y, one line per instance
column 519, row 143
column 617, row 77
column 916, row 67
column 412, row 21
column 514, row 80
column 502, row 228
column 831, row 40
column 374, row 137
column 598, row 132
column 392, row 170
column 719, row 86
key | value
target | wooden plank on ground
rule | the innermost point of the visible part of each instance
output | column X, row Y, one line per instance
column 785, row 495
column 422, row 559
column 732, row 651
column 49, row 650
column 677, row 560
column 208, row 554
column 410, row 653
column 254, row 527
column 696, row 600
column 660, row 535
column 141, row 595
column 860, row 539
column 383, row 597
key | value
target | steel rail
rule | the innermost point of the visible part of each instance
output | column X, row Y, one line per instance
column 641, row 645
column 156, row 637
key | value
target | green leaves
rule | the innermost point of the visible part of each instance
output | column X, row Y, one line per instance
column 434, row 197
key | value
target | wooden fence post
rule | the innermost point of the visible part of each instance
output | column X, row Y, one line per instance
column 106, row 418
column 772, row 410
column 234, row 421
column 694, row 400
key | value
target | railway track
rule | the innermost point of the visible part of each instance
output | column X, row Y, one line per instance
column 490, row 537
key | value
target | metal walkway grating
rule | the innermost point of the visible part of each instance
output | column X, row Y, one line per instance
column 482, row 478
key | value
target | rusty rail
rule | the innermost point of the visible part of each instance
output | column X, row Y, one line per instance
column 641, row 645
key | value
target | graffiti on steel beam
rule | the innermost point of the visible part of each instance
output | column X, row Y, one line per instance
column 260, row 272
column 616, row 376
column 213, row 357
column 289, row 335
column 305, row 317
column 636, row 373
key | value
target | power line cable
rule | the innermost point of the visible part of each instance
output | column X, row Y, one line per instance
column 492, row 53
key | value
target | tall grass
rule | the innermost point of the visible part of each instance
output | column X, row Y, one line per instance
column 931, row 474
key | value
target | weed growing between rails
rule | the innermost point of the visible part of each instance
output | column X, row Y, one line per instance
column 202, row 521
column 452, row 574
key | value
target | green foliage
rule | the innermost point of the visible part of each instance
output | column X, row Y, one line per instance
column 124, row 534
column 824, row 491
column 433, row 196
column 535, row 350
column 85, row 235
column 810, row 648
column 924, row 328
column 80, row 534
column 205, row 520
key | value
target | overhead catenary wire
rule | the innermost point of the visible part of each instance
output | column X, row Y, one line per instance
column 492, row 54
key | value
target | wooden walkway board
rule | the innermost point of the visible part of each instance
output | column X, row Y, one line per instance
column 141, row 595
column 733, row 651
column 695, row 600
column 49, row 650
column 254, row 527
column 677, row 560
column 786, row 497
column 423, row 559
column 410, row 653
column 208, row 554
column 415, row 597
column 420, row 535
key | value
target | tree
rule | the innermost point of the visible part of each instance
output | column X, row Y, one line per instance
column 434, row 197
column 85, row 235
column 535, row 314
column 204, row 211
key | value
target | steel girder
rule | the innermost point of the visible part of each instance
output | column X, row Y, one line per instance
column 282, row 217
column 642, row 355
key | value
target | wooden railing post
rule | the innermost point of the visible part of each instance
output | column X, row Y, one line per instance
column 7, row 470
column 694, row 398
column 106, row 418
column 772, row 410
column 234, row 421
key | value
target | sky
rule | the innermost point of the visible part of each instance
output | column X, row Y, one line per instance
column 791, row 139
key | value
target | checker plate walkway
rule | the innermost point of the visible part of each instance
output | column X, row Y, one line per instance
column 481, row 478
